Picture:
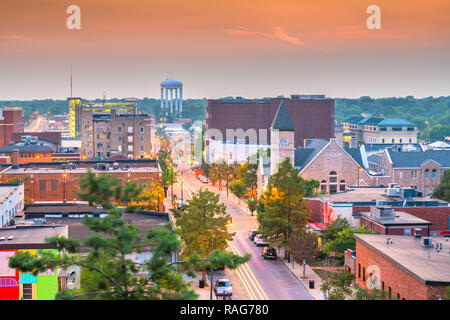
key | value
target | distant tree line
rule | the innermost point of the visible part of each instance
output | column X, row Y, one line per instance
column 431, row 115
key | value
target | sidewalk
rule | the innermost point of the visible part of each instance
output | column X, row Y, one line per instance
column 297, row 270
column 203, row 293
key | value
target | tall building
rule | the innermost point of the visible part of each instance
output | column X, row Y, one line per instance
column 107, row 135
column 312, row 117
column 11, row 121
column 77, row 107
column 369, row 129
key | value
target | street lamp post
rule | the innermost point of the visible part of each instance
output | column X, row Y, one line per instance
column 64, row 186
column 289, row 222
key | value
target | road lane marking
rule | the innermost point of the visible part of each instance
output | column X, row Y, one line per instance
column 251, row 276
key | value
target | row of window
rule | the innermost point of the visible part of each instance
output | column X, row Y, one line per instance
column 427, row 174
column 400, row 140
column 130, row 129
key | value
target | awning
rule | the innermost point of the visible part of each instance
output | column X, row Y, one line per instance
column 316, row 226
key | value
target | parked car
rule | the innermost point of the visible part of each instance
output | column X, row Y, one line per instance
column 255, row 238
column 203, row 179
column 261, row 242
column 269, row 252
column 252, row 234
column 223, row 288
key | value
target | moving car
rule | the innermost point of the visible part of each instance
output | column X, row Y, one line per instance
column 252, row 234
column 223, row 288
column 260, row 241
column 203, row 179
column 269, row 252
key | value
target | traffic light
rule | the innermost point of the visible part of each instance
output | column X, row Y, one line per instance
column 213, row 174
column 180, row 153
column 252, row 198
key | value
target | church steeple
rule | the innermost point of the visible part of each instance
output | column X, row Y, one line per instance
column 282, row 133
column 282, row 120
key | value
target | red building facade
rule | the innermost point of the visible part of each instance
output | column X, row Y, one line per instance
column 11, row 121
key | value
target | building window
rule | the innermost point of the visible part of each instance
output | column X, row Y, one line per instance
column 333, row 176
column 130, row 129
column 130, row 138
column 392, row 140
column 427, row 190
column 364, row 274
column 142, row 129
column 42, row 187
column 390, row 293
column 398, row 296
column 119, row 129
column 433, row 174
column 410, row 140
column 414, row 174
column 323, row 185
column 142, row 148
column 382, row 285
column 407, row 232
column 130, row 147
column 342, row 185
column 54, row 184
column 120, row 139
column 359, row 270
column 401, row 140
column 427, row 174
column 333, row 188
column 142, row 139
column 27, row 291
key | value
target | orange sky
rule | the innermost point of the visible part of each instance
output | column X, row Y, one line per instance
column 224, row 47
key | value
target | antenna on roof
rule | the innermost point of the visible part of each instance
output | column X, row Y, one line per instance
column 71, row 80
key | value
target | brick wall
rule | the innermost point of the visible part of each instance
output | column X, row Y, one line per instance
column 315, row 206
column 334, row 158
column 400, row 281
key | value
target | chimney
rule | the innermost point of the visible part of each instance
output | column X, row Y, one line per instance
column 15, row 157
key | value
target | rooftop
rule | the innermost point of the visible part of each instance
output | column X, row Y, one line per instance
column 409, row 254
column 30, row 235
column 399, row 218
column 362, row 194
column 377, row 121
column 282, row 121
column 7, row 189
column 415, row 159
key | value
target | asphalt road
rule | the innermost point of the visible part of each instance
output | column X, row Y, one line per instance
column 38, row 125
column 258, row 279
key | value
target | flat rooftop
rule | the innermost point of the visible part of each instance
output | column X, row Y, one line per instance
column 409, row 253
column 6, row 190
column 362, row 194
column 400, row 218
column 29, row 234
column 77, row 170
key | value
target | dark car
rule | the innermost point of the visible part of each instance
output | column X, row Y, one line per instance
column 269, row 252
column 252, row 234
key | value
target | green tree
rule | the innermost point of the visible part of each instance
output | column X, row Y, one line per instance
column 285, row 209
column 332, row 229
column 110, row 272
column 238, row 188
column 203, row 218
column 373, row 294
column 344, row 240
column 442, row 191
column 337, row 286
column 246, row 172
column 310, row 187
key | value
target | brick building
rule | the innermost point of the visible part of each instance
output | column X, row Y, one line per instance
column 351, row 203
column 420, row 170
column 105, row 136
column 406, row 268
column 11, row 121
column 384, row 220
column 312, row 116
column 59, row 181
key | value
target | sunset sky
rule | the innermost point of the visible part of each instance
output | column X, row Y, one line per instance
column 218, row 48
